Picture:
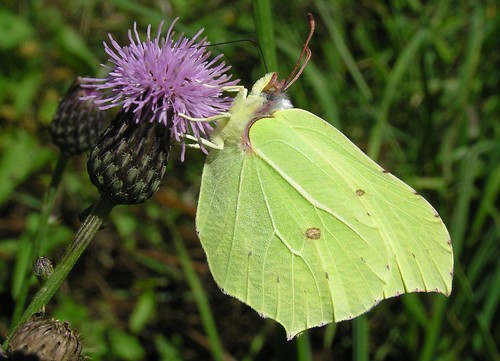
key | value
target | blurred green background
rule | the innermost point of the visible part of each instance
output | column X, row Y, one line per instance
column 416, row 84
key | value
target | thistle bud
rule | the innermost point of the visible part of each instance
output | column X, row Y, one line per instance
column 45, row 340
column 129, row 159
column 77, row 122
column 43, row 268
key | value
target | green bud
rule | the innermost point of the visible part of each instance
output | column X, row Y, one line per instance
column 43, row 268
column 128, row 161
column 77, row 122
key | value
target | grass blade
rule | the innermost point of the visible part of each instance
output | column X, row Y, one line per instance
column 360, row 339
column 263, row 19
column 199, row 295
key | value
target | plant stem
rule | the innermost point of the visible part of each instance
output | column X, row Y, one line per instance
column 48, row 204
column 46, row 209
column 82, row 239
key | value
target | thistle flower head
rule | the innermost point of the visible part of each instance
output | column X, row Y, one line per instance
column 129, row 159
column 160, row 78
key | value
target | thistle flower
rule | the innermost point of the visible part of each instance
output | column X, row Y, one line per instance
column 159, row 79
column 77, row 122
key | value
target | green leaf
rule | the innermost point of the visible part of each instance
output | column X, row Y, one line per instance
column 125, row 346
column 167, row 350
column 14, row 30
column 76, row 51
column 143, row 311
column 20, row 157
column 25, row 91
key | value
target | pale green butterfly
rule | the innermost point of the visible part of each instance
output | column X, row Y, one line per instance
column 301, row 225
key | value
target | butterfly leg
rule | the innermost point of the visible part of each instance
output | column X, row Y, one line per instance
column 201, row 141
column 236, row 89
column 231, row 88
column 213, row 118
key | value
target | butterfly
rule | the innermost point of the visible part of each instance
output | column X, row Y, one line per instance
column 302, row 226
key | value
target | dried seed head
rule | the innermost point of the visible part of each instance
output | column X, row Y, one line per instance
column 44, row 339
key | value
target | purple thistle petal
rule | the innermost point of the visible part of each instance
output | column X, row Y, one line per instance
column 167, row 78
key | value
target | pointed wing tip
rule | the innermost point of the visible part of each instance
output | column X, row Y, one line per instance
column 448, row 290
column 292, row 333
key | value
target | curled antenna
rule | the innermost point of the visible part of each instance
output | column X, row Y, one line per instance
column 301, row 62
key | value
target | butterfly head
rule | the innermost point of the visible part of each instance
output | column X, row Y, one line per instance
column 271, row 94
column 267, row 96
column 272, row 90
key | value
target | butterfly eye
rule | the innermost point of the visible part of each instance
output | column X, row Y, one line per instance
column 270, row 96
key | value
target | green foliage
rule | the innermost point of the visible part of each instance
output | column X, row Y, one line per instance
column 413, row 83
column 19, row 159
column 125, row 346
column 143, row 311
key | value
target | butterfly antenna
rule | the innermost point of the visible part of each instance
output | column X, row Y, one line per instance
column 253, row 41
column 301, row 62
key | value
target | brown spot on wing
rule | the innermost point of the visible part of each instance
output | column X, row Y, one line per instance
column 313, row 233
